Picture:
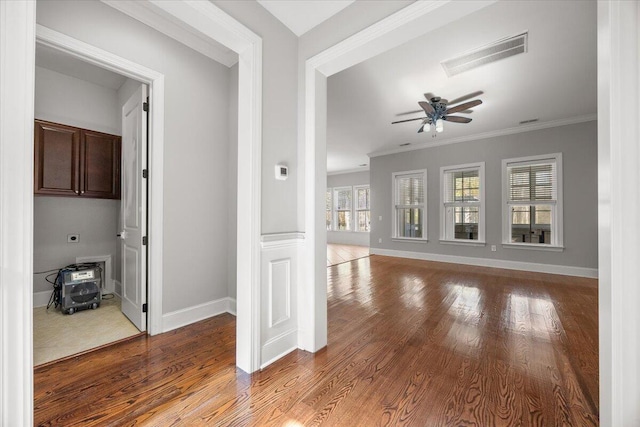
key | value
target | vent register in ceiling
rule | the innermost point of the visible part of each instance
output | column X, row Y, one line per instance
column 438, row 110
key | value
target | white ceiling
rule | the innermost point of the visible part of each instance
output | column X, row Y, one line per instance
column 555, row 81
column 302, row 15
column 63, row 63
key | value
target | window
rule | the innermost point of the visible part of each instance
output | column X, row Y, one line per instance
column 533, row 201
column 462, row 203
column 329, row 207
column 342, row 205
column 409, row 204
column 363, row 206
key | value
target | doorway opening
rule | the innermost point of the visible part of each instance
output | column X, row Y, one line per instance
column 90, row 206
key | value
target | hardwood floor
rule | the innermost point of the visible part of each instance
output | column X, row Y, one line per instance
column 337, row 254
column 410, row 343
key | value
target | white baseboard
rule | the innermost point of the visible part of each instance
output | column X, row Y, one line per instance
column 495, row 263
column 231, row 309
column 41, row 299
column 279, row 346
column 179, row 318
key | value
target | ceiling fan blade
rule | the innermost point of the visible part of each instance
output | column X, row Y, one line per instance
column 465, row 97
column 457, row 119
column 426, row 107
column 408, row 120
column 406, row 113
column 464, row 106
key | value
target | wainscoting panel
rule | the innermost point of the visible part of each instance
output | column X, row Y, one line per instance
column 280, row 264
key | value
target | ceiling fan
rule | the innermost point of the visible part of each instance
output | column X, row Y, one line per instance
column 437, row 110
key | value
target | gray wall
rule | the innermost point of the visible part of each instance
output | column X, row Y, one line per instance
column 68, row 100
column 232, row 228
column 279, row 112
column 196, row 150
column 578, row 145
column 343, row 180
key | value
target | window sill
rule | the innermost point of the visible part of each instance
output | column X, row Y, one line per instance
column 535, row 247
column 409, row 239
column 463, row 242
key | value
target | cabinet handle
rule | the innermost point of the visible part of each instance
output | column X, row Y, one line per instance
column 82, row 192
column 77, row 192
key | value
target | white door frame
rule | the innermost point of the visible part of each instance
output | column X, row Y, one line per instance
column 17, row 70
column 618, row 155
column 155, row 80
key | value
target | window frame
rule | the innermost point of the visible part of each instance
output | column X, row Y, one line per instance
column 395, row 206
column 334, row 202
column 480, row 167
column 356, row 208
column 557, row 215
column 330, row 210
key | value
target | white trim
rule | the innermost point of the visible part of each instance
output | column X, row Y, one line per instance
column 278, row 240
column 17, row 68
column 346, row 171
column 394, row 206
column 409, row 240
column 479, row 166
column 534, row 247
column 557, row 230
column 231, row 307
column 155, row 80
column 484, row 135
column 167, row 24
column 108, row 284
column 179, row 318
column 618, row 195
column 463, row 242
column 279, row 346
column 489, row 262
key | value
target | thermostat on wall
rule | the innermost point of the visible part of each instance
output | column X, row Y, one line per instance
column 282, row 172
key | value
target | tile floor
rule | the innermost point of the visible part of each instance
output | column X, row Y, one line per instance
column 57, row 335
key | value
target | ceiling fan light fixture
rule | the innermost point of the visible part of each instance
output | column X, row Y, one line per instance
column 439, row 125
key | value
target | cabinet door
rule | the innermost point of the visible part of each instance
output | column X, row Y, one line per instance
column 57, row 159
column 100, row 164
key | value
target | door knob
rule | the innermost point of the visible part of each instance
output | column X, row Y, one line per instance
column 122, row 234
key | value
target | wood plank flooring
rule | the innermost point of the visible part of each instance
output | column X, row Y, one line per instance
column 411, row 343
column 337, row 254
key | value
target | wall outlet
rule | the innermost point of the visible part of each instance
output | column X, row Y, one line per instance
column 380, row 218
column 380, row 240
column 493, row 248
column 73, row 238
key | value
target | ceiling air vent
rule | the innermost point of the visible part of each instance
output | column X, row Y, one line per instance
column 495, row 51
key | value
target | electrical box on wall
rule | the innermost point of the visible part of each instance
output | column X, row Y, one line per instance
column 282, row 172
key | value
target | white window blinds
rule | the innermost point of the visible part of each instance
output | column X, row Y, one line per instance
column 343, row 199
column 533, row 182
column 410, row 190
column 363, row 199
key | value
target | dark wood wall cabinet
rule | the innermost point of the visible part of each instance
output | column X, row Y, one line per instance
column 76, row 162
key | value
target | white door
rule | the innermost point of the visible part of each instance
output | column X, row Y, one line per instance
column 134, row 208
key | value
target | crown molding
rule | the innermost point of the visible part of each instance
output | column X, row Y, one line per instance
column 490, row 134
column 346, row 171
column 154, row 14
